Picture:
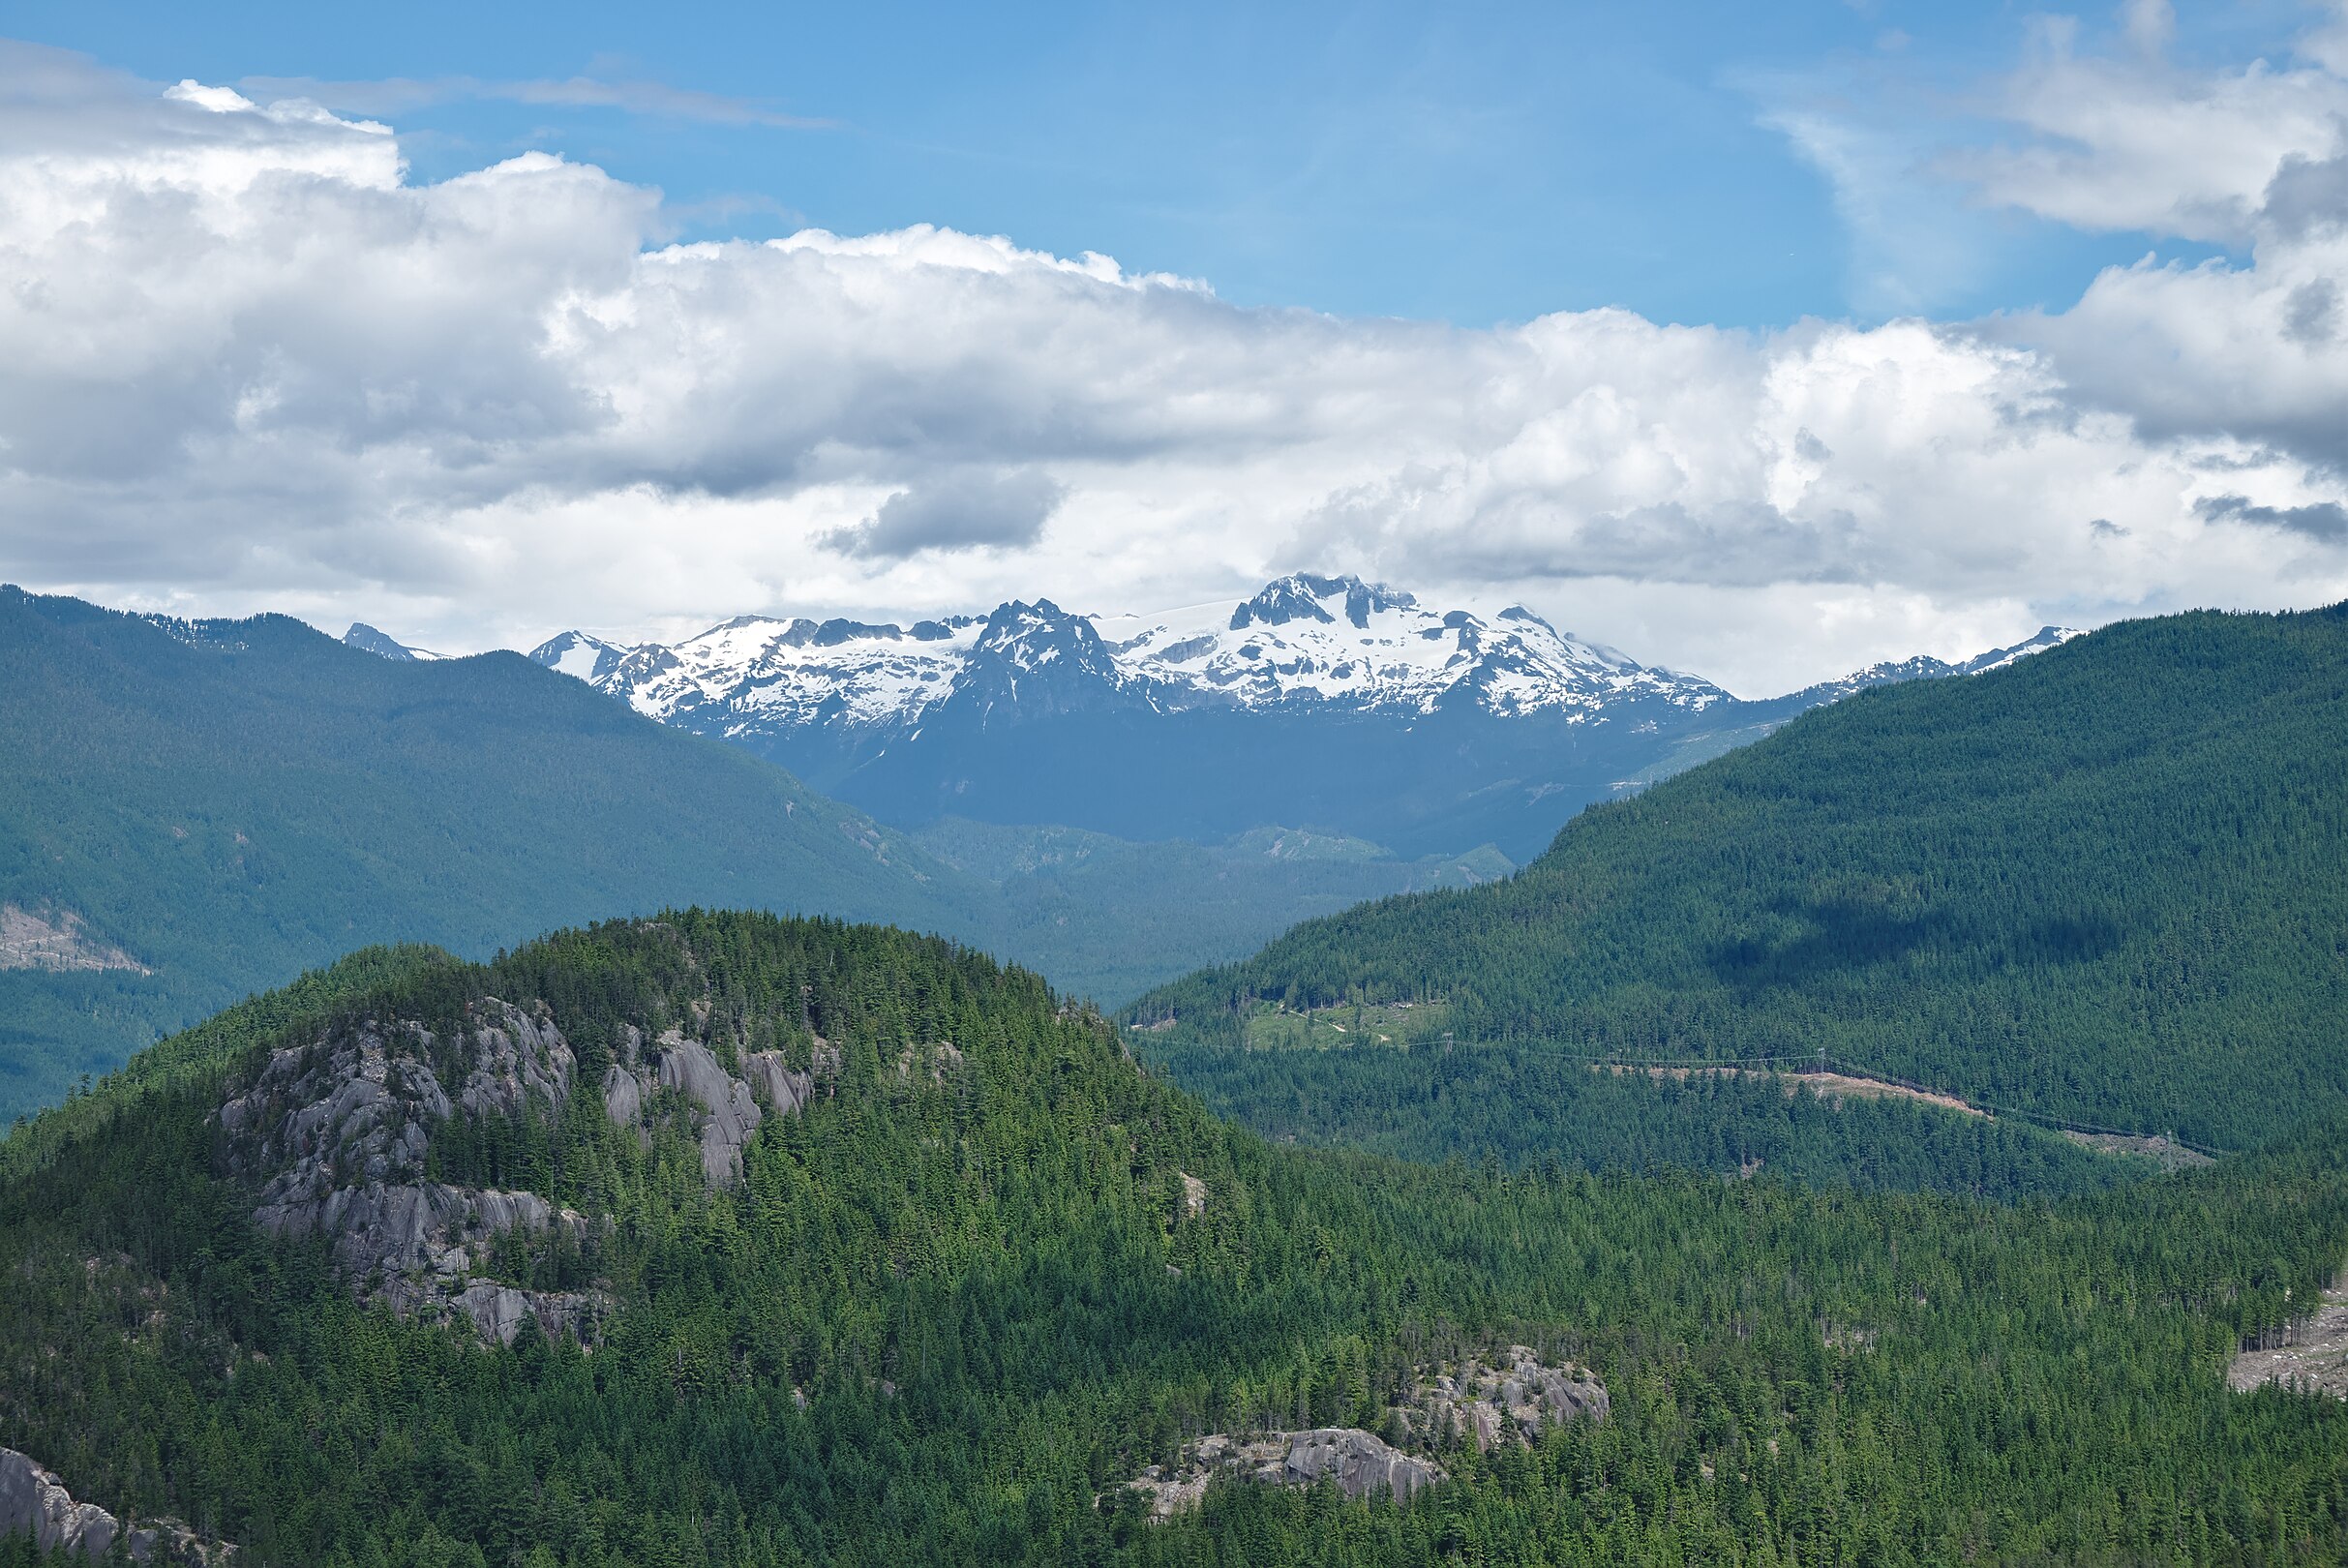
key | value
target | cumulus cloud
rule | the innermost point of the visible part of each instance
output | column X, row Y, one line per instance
column 966, row 513
column 2130, row 143
column 246, row 361
column 2248, row 351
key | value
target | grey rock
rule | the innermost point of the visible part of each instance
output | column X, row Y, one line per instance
column 335, row 1134
column 499, row 1311
column 1360, row 1462
column 623, row 1099
column 1471, row 1406
column 730, row 1115
column 518, row 1058
column 34, row 1501
column 786, row 1090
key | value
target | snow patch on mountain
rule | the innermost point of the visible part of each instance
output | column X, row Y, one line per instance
column 1924, row 667
column 1302, row 641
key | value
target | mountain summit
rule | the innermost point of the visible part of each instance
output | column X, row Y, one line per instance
column 1326, row 703
column 1300, row 640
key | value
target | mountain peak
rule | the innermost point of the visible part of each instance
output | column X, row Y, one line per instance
column 382, row 646
column 1303, row 596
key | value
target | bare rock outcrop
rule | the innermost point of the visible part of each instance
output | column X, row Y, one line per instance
column 1476, row 1402
column 1193, row 1196
column 1361, row 1464
column 943, row 1058
column 335, row 1134
column 56, row 940
column 726, row 1109
column 786, row 1092
column 34, row 1501
column 1512, row 1396
column 728, row 1113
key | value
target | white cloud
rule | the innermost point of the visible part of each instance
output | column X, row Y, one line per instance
column 246, row 362
column 2134, row 143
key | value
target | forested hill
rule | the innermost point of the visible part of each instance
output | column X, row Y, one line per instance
column 2107, row 884
column 955, row 1270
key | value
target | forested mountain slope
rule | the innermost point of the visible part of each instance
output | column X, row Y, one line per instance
column 971, row 1270
column 212, row 807
column 2107, row 884
column 190, row 812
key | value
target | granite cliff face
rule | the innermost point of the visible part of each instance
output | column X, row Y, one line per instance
column 34, row 1501
column 1507, row 1399
column 1359, row 1463
column 335, row 1136
column 726, row 1109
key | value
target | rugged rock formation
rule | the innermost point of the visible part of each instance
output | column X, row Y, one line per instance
column 729, row 1108
column 335, row 1134
column 1469, row 1402
column 944, row 1057
column 34, row 1501
column 1477, row 1403
column 56, row 940
column 786, row 1092
column 1359, row 1463
column 728, row 1113
column 1193, row 1196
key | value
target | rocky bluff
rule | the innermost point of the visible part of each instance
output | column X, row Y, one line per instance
column 337, row 1136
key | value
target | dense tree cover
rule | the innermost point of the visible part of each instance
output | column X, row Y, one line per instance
column 987, row 1291
column 1529, row 1106
column 2107, row 884
column 230, row 803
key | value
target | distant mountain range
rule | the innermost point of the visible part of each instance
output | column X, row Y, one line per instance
column 192, row 810
column 1337, row 704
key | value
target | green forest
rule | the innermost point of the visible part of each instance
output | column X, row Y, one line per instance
column 1528, row 1107
column 2107, row 885
column 987, row 1291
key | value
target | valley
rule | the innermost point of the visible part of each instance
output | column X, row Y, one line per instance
column 1199, row 786
column 194, row 811
column 1464, row 1214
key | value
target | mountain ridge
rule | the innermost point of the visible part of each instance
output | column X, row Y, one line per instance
column 2045, row 890
column 1324, row 702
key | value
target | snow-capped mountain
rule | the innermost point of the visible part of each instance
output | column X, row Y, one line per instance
column 1302, row 642
column 1364, row 645
column 1325, row 703
column 1924, row 667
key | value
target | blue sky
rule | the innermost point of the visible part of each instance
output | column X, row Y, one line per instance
column 1475, row 162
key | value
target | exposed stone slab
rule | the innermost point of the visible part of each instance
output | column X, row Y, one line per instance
column 34, row 1501
column 335, row 1134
